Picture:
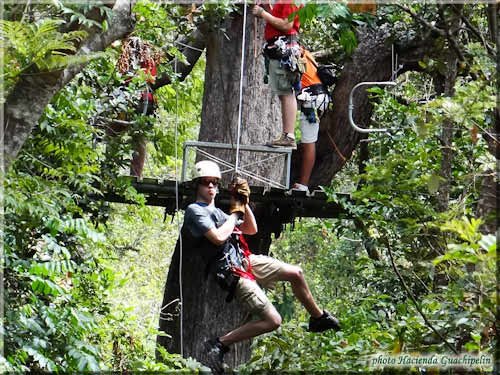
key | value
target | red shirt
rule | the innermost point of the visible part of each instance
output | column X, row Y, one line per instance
column 282, row 9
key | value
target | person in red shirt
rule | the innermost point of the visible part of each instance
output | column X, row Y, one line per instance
column 281, row 30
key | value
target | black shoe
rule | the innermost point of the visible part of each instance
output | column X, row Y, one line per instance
column 215, row 351
column 323, row 323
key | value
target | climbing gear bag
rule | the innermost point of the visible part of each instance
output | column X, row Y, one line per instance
column 222, row 266
column 286, row 49
column 326, row 75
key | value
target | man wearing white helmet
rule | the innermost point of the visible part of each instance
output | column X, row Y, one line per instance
column 219, row 237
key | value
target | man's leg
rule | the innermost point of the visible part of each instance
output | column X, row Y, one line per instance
column 308, row 159
column 309, row 128
column 288, row 112
column 270, row 320
column 300, row 289
column 320, row 320
column 268, row 270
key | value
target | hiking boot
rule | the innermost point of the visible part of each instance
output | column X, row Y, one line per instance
column 215, row 351
column 324, row 322
column 283, row 141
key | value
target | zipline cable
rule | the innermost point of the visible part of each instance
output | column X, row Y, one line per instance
column 181, row 311
column 176, row 171
column 242, row 66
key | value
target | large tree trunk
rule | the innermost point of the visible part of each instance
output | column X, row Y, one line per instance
column 371, row 61
column 205, row 313
column 33, row 92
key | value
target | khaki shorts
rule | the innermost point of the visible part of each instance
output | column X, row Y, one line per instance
column 309, row 131
column 281, row 80
column 249, row 293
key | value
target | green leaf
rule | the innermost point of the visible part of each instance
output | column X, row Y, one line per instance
column 433, row 183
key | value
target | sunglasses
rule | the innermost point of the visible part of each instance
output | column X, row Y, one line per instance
column 207, row 181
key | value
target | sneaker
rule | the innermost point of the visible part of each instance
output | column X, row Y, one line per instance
column 215, row 351
column 323, row 323
column 283, row 141
column 299, row 187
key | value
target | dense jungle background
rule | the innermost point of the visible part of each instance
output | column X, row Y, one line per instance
column 408, row 268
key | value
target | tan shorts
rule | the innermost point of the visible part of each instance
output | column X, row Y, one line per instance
column 266, row 269
column 249, row 293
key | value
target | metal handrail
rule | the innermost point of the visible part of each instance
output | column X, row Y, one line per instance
column 351, row 106
column 287, row 152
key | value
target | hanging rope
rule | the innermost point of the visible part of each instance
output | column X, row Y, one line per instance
column 177, row 216
column 242, row 66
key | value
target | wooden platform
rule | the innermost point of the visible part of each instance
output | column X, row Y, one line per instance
column 285, row 205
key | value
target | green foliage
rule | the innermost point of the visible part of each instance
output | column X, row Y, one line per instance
column 332, row 26
column 62, row 261
column 37, row 47
column 54, row 281
column 84, row 279
column 77, row 13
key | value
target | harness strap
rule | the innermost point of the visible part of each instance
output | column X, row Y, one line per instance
column 289, row 38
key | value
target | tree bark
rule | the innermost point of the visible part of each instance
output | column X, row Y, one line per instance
column 487, row 204
column 452, row 56
column 205, row 313
column 446, row 138
column 371, row 61
column 34, row 91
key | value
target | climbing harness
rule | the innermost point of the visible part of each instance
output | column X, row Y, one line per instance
column 286, row 50
column 227, row 266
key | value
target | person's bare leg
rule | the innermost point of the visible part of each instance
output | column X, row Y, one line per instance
column 300, row 289
column 288, row 112
column 270, row 320
column 308, row 158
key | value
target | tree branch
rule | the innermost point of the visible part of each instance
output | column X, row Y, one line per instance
column 192, row 48
column 476, row 32
column 414, row 299
column 422, row 20
column 451, row 39
column 31, row 94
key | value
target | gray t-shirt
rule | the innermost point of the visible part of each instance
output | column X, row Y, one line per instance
column 200, row 218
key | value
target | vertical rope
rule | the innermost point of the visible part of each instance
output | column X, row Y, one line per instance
column 393, row 74
column 177, row 212
column 243, row 46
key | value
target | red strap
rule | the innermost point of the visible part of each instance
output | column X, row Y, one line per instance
column 246, row 253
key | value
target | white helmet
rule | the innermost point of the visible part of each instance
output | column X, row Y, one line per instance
column 206, row 168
